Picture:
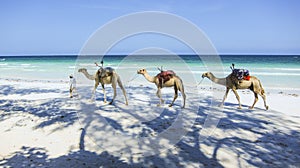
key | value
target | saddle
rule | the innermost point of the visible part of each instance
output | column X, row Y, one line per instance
column 105, row 72
column 165, row 76
column 240, row 74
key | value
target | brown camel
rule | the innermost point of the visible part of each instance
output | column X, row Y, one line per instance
column 231, row 82
column 173, row 81
column 104, row 76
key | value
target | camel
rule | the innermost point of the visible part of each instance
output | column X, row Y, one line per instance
column 106, row 75
column 231, row 82
column 173, row 81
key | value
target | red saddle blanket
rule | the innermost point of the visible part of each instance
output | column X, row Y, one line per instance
column 246, row 77
column 164, row 76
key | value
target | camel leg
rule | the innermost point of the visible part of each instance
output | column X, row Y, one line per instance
column 114, row 86
column 158, row 94
column 104, row 93
column 181, row 89
column 94, row 91
column 123, row 90
column 255, row 100
column 184, row 98
column 175, row 95
column 265, row 102
column 225, row 96
column 237, row 97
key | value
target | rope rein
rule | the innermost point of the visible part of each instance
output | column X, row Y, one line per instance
column 200, row 82
column 196, row 85
column 133, row 78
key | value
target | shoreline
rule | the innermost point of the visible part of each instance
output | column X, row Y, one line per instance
column 295, row 92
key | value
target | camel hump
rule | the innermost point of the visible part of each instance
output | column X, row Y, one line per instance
column 109, row 69
column 241, row 74
column 106, row 71
column 165, row 76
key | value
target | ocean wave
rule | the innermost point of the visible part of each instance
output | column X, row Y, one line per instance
column 275, row 74
column 281, row 69
column 25, row 64
column 86, row 65
column 29, row 70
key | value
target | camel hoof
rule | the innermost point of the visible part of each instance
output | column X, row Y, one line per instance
column 126, row 103
column 250, row 108
column 158, row 105
column 110, row 103
column 239, row 107
column 170, row 105
column 267, row 107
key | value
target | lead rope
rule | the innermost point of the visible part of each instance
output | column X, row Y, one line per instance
column 133, row 78
column 199, row 82
column 196, row 85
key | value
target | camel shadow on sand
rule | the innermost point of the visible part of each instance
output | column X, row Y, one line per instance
column 256, row 137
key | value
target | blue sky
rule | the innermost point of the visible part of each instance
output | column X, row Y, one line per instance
column 233, row 26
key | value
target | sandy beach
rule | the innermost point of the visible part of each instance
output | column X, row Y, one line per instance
column 40, row 126
column 200, row 50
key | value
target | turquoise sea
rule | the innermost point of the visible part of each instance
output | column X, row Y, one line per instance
column 275, row 71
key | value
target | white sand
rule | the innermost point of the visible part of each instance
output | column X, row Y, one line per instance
column 40, row 126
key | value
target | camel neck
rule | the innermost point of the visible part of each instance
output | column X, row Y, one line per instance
column 221, row 81
column 149, row 78
column 87, row 75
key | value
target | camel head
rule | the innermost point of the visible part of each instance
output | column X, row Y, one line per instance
column 142, row 71
column 207, row 74
column 82, row 70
